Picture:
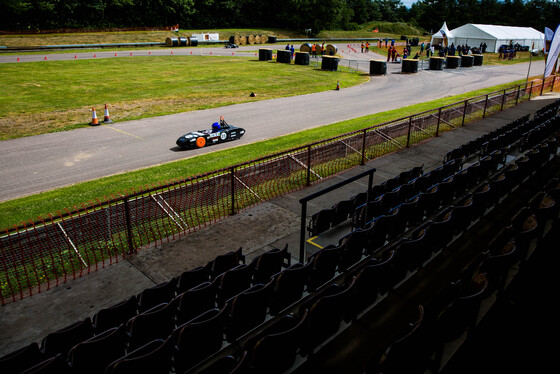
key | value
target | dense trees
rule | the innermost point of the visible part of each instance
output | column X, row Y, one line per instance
column 316, row 15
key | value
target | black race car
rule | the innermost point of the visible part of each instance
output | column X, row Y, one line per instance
column 219, row 133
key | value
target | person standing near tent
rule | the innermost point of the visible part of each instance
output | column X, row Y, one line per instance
column 394, row 54
column 389, row 54
column 367, row 47
column 314, row 50
column 292, row 51
column 362, row 47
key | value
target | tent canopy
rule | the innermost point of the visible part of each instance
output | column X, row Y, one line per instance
column 493, row 35
column 443, row 36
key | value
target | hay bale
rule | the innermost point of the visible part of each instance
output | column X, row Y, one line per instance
column 243, row 40
column 305, row 47
column 171, row 41
column 237, row 39
column 331, row 49
column 257, row 39
column 251, row 39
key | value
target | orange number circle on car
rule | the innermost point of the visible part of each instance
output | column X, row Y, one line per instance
column 200, row 142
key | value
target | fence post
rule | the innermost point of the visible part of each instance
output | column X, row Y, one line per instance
column 485, row 105
column 503, row 99
column 302, row 232
column 552, row 85
column 409, row 131
column 438, row 121
column 364, row 149
column 517, row 97
column 531, row 90
column 232, row 182
column 464, row 112
column 542, row 87
column 308, row 166
column 128, row 226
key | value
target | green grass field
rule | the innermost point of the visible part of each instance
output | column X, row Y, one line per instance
column 48, row 96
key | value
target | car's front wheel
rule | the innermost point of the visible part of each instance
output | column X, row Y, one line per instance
column 200, row 142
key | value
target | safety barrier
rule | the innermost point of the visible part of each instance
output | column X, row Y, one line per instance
column 39, row 255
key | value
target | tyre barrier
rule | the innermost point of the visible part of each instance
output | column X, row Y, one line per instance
column 409, row 66
column 478, row 60
column 284, row 56
column 452, row 62
column 302, row 58
column 329, row 63
column 467, row 61
column 271, row 39
column 265, row 54
column 377, row 67
column 436, row 63
column 183, row 42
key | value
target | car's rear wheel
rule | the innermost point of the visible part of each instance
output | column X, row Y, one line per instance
column 200, row 142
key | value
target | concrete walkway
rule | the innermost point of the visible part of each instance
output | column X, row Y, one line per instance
column 274, row 223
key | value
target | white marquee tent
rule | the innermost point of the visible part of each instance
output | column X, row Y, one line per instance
column 443, row 36
column 493, row 35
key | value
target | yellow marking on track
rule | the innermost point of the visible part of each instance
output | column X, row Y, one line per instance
column 310, row 241
column 123, row 132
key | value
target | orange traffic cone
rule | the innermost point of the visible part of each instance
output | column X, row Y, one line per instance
column 106, row 118
column 93, row 118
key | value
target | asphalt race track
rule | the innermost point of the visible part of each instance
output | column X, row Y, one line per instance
column 40, row 163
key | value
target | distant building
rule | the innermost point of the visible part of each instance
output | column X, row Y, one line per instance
column 493, row 35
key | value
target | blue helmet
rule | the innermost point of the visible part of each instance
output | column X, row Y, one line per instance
column 215, row 126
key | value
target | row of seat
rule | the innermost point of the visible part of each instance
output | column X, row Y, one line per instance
column 399, row 196
column 175, row 301
column 548, row 109
column 361, row 287
column 340, row 212
column 480, row 144
column 511, row 132
column 454, row 315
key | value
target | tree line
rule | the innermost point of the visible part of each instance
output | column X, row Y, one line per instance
column 299, row 15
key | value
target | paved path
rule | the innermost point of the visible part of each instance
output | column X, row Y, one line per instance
column 40, row 163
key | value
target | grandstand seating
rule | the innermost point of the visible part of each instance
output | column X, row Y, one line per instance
column 270, row 312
